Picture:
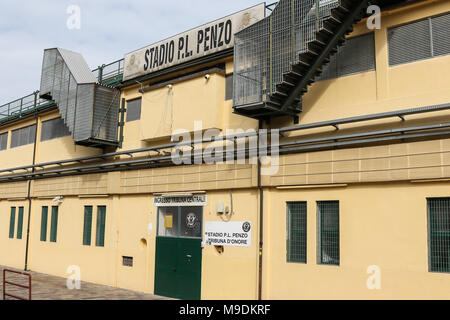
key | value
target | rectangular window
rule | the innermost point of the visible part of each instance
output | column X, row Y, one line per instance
column 229, row 87
column 44, row 217
column 439, row 234
column 133, row 110
column 54, row 224
column 12, row 221
column 20, row 223
column 23, row 136
column 53, row 129
column 355, row 56
column 418, row 40
column 3, row 141
column 87, row 226
column 296, row 232
column 328, row 232
column 101, row 221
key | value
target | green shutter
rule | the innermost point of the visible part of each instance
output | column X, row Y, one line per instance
column 101, row 219
column 328, row 212
column 296, row 232
column 12, row 221
column 44, row 218
column 20, row 223
column 87, row 225
column 54, row 225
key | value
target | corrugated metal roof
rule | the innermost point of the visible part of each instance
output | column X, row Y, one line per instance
column 77, row 66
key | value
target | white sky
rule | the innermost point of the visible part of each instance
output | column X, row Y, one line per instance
column 109, row 29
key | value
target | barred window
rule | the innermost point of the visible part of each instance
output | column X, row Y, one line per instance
column 355, row 56
column 134, row 110
column 296, row 232
column 53, row 129
column 418, row 40
column 439, row 234
column 3, row 141
column 229, row 87
column 23, row 136
column 328, row 232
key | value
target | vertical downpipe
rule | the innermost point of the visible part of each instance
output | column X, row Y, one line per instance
column 121, row 122
column 261, row 210
column 29, row 182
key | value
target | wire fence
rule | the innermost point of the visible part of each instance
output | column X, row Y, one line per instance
column 266, row 50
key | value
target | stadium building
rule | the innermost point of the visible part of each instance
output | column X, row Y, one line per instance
column 329, row 137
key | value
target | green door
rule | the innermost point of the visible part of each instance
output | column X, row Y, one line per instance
column 178, row 253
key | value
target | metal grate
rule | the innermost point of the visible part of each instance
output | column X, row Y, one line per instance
column 328, row 218
column 440, row 27
column 439, row 234
column 3, row 141
column 53, row 129
column 419, row 40
column 296, row 232
column 134, row 109
column 127, row 261
column 355, row 56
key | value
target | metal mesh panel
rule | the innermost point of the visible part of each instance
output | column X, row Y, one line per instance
column 328, row 217
column 134, row 109
column 296, row 232
column 267, row 49
column 439, row 234
column 84, row 109
column 441, row 34
column 409, row 42
column 106, row 113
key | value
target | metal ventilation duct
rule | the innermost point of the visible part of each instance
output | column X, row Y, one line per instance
column 90, row 110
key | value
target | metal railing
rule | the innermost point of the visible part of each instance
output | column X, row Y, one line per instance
column 5, row 282
column 22, row 105
column 107, row 74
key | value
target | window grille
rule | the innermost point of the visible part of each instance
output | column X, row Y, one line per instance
column 328, row 235
column 54, row 128
column 87, row 226
column 296, row 232
column 3, row 141
column 439, row 234
column 229, row 87
column 23, row 136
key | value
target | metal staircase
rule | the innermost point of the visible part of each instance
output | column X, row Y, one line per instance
column 277, row 58
column 89, row 109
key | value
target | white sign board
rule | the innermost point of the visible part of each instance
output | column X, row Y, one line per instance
column 198, row 42
column 181, row 201
column 237, row 234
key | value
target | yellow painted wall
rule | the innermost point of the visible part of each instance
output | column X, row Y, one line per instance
column 380, row 224
column 12, row 251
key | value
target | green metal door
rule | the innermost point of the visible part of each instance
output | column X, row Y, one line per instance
column 178, row 253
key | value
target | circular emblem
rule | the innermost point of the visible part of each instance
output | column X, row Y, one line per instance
column 246, row 226
column 191, row 220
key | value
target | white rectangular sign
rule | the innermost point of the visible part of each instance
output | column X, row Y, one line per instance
column 180, row 201
column 237, row 234
column 205, row 40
